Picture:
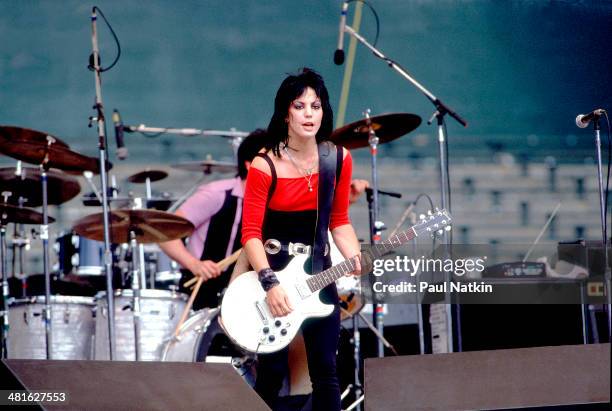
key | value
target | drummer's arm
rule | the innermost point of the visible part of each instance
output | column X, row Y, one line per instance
column 340, row 225
column 176, row 250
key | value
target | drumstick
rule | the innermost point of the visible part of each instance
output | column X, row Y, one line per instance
column 188, row 306
column 223, row 264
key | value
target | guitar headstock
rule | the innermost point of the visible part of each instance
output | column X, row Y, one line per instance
column 435, row 222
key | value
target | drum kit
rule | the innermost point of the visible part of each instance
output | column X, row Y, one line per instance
column 145, row 318
column 147, row 307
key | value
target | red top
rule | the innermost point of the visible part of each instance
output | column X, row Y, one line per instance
column 291, row 194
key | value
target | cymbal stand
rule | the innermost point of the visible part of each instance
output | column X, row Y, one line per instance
column 103, row 177
column 4, row 314
column 136, row 284
column 138, row 205
column 20, row 241
column 441, row 110
column 376, row 226
column 44, row 236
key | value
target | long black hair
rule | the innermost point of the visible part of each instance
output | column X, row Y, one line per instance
column 291, row 88
column 249, row 148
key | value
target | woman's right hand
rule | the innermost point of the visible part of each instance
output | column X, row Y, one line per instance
column 278, row 301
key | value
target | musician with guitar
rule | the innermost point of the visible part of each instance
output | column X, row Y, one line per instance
column 297, row 189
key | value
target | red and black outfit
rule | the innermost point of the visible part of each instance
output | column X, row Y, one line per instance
column 284, row 209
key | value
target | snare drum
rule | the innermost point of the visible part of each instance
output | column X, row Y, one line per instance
column 72, row 323
column 160, row 311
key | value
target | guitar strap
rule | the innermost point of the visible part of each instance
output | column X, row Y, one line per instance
column 328, row 166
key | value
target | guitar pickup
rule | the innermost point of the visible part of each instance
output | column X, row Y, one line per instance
column 302, row 288
column 261, row 312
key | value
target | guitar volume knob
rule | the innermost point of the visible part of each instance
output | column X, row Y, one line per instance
column 283, row 332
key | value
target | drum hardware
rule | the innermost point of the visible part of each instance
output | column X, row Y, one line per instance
column 138, row 226
column 10, row 213
column 48, row 152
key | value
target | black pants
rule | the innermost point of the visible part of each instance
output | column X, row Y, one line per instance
column 321, row 340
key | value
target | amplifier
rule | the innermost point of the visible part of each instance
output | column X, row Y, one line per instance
column 520, row 269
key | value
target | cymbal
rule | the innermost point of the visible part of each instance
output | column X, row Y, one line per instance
column 13, row 214
column 152, row 175
column 207, row 166
column 61, row 187
column 387, row 127
column 150, row 226
column 33, row 147
column 26, row 134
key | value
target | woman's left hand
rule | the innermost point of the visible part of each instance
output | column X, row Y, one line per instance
column 357, row 262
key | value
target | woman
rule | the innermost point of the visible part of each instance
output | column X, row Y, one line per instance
column 283, row 203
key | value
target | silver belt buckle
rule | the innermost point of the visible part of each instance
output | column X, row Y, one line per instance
column 272, row 246
column 298, row 248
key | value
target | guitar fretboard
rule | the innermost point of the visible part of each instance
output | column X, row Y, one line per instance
column 326, row 277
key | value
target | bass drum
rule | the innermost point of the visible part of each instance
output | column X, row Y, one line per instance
column 201, row 339
column 72, row 322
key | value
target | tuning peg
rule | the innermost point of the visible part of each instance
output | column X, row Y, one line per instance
column 429, row 212
column 448, row 228
column 440, row 232
column 422, row 217
column 436, row 225
column 444, row 222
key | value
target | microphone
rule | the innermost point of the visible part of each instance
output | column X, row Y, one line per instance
column 583, row 120
column 122, row 151
column 339, row 53
column 370, row 191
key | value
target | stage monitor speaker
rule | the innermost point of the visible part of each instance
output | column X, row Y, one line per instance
column 120, row 385
column 500, row 379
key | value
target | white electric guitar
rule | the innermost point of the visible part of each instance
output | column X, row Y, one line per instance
column 245, row 314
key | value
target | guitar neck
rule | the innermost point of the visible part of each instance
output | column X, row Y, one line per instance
column 326, row 277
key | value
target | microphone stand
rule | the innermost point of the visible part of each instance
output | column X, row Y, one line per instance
column 441, row 111
column 604, row 228
column 103, row 177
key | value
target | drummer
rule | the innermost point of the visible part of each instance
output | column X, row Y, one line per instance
column 215, row 209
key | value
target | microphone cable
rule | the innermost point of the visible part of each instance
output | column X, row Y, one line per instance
column 91, row 65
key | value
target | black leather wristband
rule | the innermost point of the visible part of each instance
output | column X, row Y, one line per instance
column 267, row 278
